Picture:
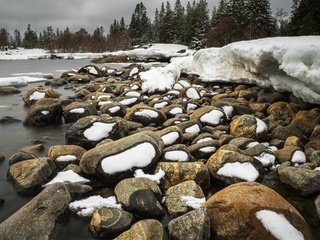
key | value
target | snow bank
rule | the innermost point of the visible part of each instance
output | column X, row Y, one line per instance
column 285, row 63
column 19, row 81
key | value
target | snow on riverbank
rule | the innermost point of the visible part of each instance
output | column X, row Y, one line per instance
column 19, row 81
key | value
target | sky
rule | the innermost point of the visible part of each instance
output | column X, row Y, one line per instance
column 90, row 14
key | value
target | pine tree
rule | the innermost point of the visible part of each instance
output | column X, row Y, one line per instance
column 17, row 38
column 4, row 38
column 122, row 26
column 156, row 26
column 166, row 31
column 222, row 10
column 178, row 22
column 30, row 39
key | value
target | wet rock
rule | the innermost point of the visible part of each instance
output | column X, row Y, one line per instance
column 170, row 135
column 176, row 201
column 248, row 126
column 287, row 153
column 113, row 109
column 37, row 219
column 145, row 115
column 77, row 110
column 8, row 120
column 117, row 160
column 194, row 225
column 44, row 112
column 90, row 69
column 312, row 117
column 33, row 149
column 304, row 181
column 9, row 90
column 233, row 212
column 80, row 78
column 90, row 130
column 179, row 172
column 139, row 196
column 30, row 174
column 211, row 116
column 176, row 153
column 109, row 222
column 35, row 94
column 148, row 229
column 203, row 150
column 283, row 132
column 20, row 156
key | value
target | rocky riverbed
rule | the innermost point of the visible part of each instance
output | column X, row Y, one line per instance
column 199, row 161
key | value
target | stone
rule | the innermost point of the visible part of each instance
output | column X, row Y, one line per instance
column 145, row 115
column 248, row 126
column 317, row 205
column 281, row 111
column 44, row 112
column 87, row 132
column 232, row 212
column 9, row 90
column 194, row 225
column 113, row 109
column 177, row 153
column 148, row 229
column 172, row 110
column 209, row 115
column 139, row 196
column 305, row 181
column 35, row 94
column 204, row 150
column 90, row 69
column 170, row 135
column 20, row 156
column 283, row 132
column 286, row 153
column 39, row 217
column 30, row 174
column 241, row 142
column 175, row 202
column 80, row 78
column 63, row 155
column 9, row 120
column 76, row 110
column 293, row 141
column 312, row 117
column 117, row 160
column 110, row 222
column 179, row 172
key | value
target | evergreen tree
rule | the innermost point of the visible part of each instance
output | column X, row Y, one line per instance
column 30, row 39
column 189, row 23
column 122, row 26
column 213, row 20
column 17, row 38
column 4, row 39
column 166, row 31
column 156, row 26
column 98, row 40
column 178, row 22
column 222, row 10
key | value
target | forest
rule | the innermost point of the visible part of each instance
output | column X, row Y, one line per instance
column 193, row 25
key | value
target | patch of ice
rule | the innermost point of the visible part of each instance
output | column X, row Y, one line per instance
column 134, row 71
column 147, row 113
column 180, row 156
column 114, row 109
column 278, row 225
column 176, row 110
column 45, row 112
column 67, row 176
column 160, row 105
column 128, row 101
column 139, row 156
column 213, row 117
column 208, row 149
column 87, row 206
column 299, row 157
column 193, row 202
column 77, row 110
column 193, row 129
column 98, row 131
column 245, row 171
column 155, row 177
column 37, row 95
column 228, row 111
column 192, row 93
column 66, row 158
column 170, row 138
column 266, row 159
column 261, row 126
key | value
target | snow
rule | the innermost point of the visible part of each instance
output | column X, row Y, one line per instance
column 147, row 113
column 134, row 71
column 317, row 169
column 98, row 131
column 87, row 206
column 104, row 96
column 170, row 138
column 261, row 126
column 184, row 83
column 193, row 129
column 299, row 157
column 208, row 149
column 160, row 105
column 176, row 110
column 45, row 112
column 252, row 144
column 213, row 117
column 266, row 159
column 206, row 139
column 77, row 110
column 37, row 95
column 132, row 94
column 245, row 171
column 67, row 176
column 193, row 202
column 191, row 106
column 101, row 103
column 139, row 156
column 114, row 109
column 66, row 158
column 285, row 63
column 278, row 225
column 180, row 156
column 128, row 101
column 155, row 177
column 228, row 110
column 192, row 93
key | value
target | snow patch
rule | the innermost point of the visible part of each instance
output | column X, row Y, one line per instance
column 299, row 157
column 128, row 101
column 147, row 113
column 193, row 129
column 192, row 93
column 134, row 71
column 266, row 159
column 160, row 105
column 155, row 177
column 176, row 110
column 132, row 94
column 213, row 117
column 228, row 110
column 98, row 131
column 245, row 171
column 37, row 95
column 67, row 176
column 77, row 110
column 66, row 158
column 180, row 156
column 114, row 109
column 208, row 149
column 206, row 139
column 191, row 106
column 45, row 113
column 170, row 138
column 193, row 202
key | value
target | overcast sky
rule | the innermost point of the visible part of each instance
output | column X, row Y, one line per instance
column 16, row 14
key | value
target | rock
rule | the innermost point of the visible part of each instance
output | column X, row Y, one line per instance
column 145, row 115
column 34, row 94
column 33, row 149
column 20, row 156
column 232, row 212
column 113, row 109
column 173, row 109
column 315, row 158
column 87, row 132
column 280, row 113
column 203, row 150
column 194, row 225
column 179, row 172
column 312, row 117
column 29, row 174
column 209, row 115
column 293, row 141
column 80, row 78
column 282, row 133
column 176, row 153
column 248, row 126
column 170, row 135
column 119, row 159
column 9, row 90
column 129, row 101
column 63, row 155
column 148, row 229
column 8, row 120
column 77, row 110
column 109, row 222
column 90, row 69
column 139, row 196
column 286, row 154
column 317, row 204
column 241, row 142
column 175, row 201
column 306, row 182
column 37, row 219
column 45, row 111
column 271, row 97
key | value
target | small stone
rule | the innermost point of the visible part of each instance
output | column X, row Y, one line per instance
column 9, row 90
column 248, row 126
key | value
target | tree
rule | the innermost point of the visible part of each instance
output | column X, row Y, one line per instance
column 4, row 39
column 178, row 21
column 17, row 38
column 30, row 39
column 282, row 22
column 98, row 40
column 166, row 31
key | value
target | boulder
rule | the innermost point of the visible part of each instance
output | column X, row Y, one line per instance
column 45, row 111
column 113, row 109
column 9, row 120
column 170, row 135
column 288, row 154
column 312, row 117
column 80, row 78
column 194, row 225
column 234, row 212
column 203, row 150
column 209, row 115
column 248, row 126
column 90, row 69
column 139, row 196
column 9, row 90
column 76, row 110
column 35, row 94
column 117, row 160
column 30, row 174
column 176, row 153
column 145, row 115
column 283, row 132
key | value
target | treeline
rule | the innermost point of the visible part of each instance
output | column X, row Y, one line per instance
column 191, row 25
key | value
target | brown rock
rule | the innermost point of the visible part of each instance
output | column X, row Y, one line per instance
column 247, row 126
column 311, row 117
column 209, row 115
column 64, row 155
column 34, row 94
column 286, row 153
column 146, row 115
column 77, row 110
column 9, row 90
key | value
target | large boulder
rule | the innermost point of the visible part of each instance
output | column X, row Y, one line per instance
column 209, row 115
column 76, row 110
column 35, row 94
column 248, row 126
column 37, row 219
column 117, row 160
column 238, row 212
